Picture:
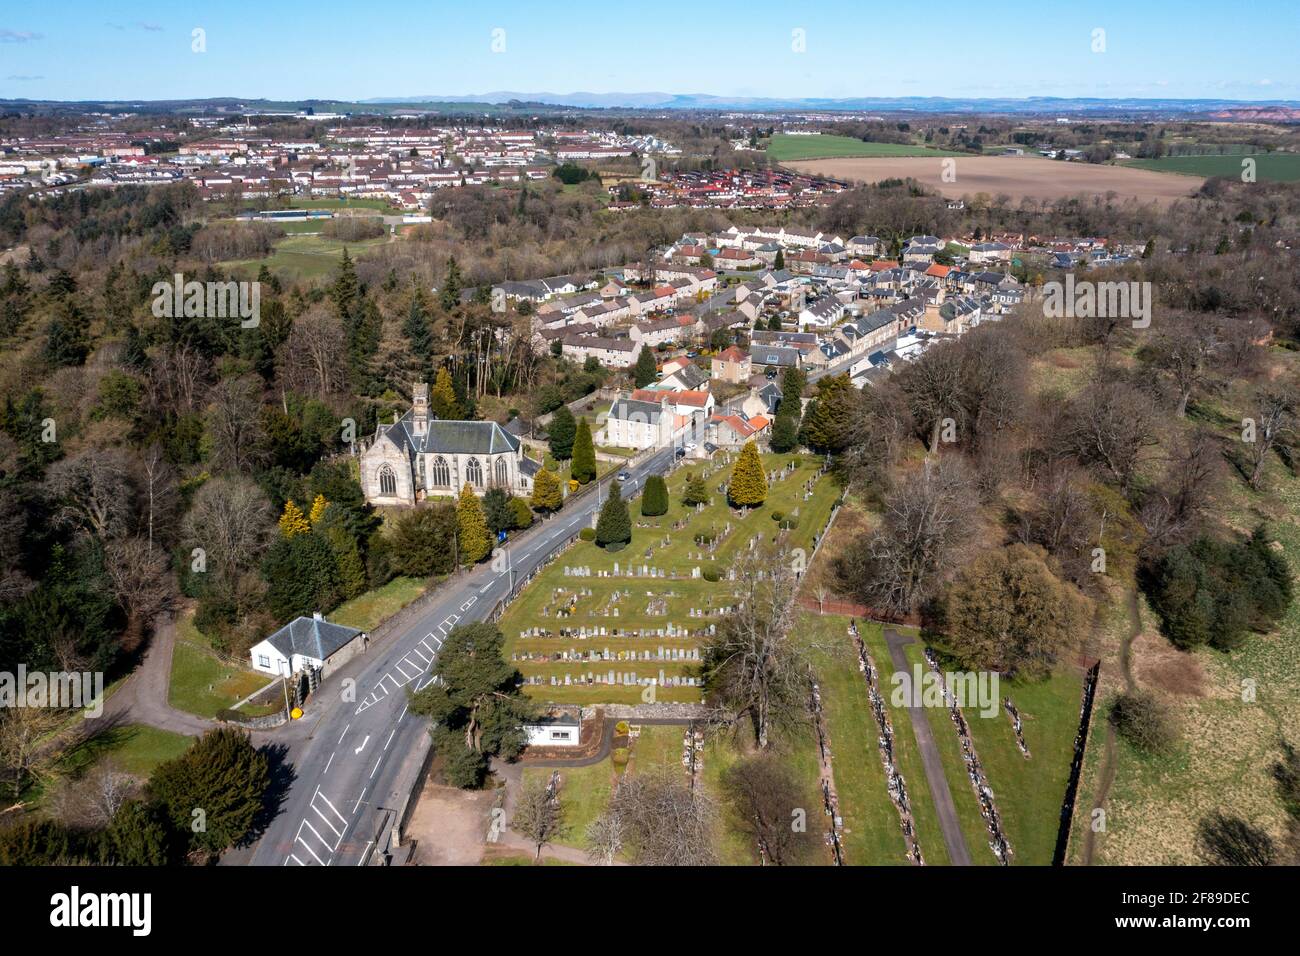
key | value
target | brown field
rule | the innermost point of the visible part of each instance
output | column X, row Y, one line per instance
column 1016, row 176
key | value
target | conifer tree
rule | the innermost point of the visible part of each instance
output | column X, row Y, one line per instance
column 696, row 491
column 475, row 541
column 614, row 525
column 443, row 401
column 546, row 491
column 318, row 509
column 748, row 485
column 646, row 368
column 561, row 432
column 293, row 521
column 584, row 454
column 654, row 500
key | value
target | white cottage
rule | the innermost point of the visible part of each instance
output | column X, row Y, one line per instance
column 418, row 456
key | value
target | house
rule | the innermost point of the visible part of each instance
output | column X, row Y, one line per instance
column 684, row 378
column 612, row 353
column 732, row 365
column 823, row 313
column 684, row 404
column 733, row 431
column 775, row 357
column 419, row 455
column 640, row 424
column 307, row 644
column 557, row 728
column 990, row 252
column 864, row 246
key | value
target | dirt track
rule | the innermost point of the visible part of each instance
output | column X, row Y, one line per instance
column 1016, row 176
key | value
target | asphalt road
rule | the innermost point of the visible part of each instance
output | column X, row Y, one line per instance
column 357, row 747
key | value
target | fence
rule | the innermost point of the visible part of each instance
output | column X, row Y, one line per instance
column 1076, row 765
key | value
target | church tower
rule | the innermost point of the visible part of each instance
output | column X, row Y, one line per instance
column 420, row 408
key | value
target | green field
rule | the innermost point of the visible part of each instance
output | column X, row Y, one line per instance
column 1269, row 167
column 132, row 748
column 302, row 257
column 786, row 148
column 643, row 602
column 367, row 611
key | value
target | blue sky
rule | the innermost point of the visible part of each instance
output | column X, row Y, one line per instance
column 288, row 49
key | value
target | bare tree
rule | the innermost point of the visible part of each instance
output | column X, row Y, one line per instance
column 655, row 817
column 928, row 517
column 94, row 491
column 231, row 521
column 539, row 815
column 142, row 583
column 772, row 808
column 752, row 668
column 1111, row 423
column 313, row 359
column 25, row 753
column 1182, row 348
column 1274, row 422
column 234, row 422
column 157, row 480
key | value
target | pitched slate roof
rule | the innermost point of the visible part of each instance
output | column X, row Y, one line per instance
column 453, row 438
column 311, row 637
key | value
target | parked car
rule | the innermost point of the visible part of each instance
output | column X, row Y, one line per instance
column 624, row 476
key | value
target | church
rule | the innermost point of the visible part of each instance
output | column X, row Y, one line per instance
column 419, row 456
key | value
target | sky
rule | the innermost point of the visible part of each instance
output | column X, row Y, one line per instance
column 342, row 49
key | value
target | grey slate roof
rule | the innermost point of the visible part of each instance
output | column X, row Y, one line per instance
column 311, row 637
column 453, row 438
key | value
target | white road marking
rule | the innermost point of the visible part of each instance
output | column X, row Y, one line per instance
column 359, row 799
column 329, row 763
column 363, row 745
column 377, row 763
column 345, row 733
column 390, row 738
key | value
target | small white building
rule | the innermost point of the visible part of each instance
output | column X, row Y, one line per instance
column 307, row 643
column 557, row 729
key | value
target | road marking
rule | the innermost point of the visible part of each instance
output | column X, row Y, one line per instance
column 359, row 799
column 403, row 713
column 345, row 733
column 333, row 830
column 377, row 763
column 363, row 745
column 363, row 852
column 328, row 764
column 468, row 604
column 484, row 588
column 390, row 738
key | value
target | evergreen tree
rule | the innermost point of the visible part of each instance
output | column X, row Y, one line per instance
column 696, row 491
column 346, row 290
column 318, row 508
column 302, row 574
column 774, row 323
column 654, row 500
column 449, row 296
column 138, row 835
column 419, row 337
column 546, row 491
column 222, row 775
column 442, row 399
column 475, row 542
column 827, row 428
column 496, row 510
column 584, row 454
column 793, row 381
column 785, row 433
column 614, row 526
column 292, row 521
column 779, row 263
column 350, row 569
column 646, row 369
column 521, row 514
column 561, row 432
column 748, row 485
column 424, row 541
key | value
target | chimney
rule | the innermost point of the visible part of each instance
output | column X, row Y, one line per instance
column 317, row 616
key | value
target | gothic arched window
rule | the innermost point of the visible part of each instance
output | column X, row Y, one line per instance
column 503, row 472
column 387, row 481
column 474, row 472
column 441, row 473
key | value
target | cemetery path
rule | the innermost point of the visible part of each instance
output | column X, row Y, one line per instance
column 946, row 810
column 1110, row 757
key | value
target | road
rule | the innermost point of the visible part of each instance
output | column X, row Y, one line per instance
column 352, row 755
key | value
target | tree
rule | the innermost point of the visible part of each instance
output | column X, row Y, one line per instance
column 696, row 491
column 657, row 820
column 827, row 427
column 424, row 541
column 442, row 399
column 449, row 296
column 142, row 583
column 1223, row 839
column 25, row 753
column 302, row 574
column 292, row 521
column 1274, row 422
column 584, row 454
column 230, row 521
column 232, row 426
column 1182, row 348
column 547, row 495
column 214, row 791
column 1141, row 719
column 561, row 432
column 654, row 499
column 779, row 262
column 475, row 701
column 538, row 814
column 646, row 370
column 318, row 507
column 747, row 487
column 474, row 541
column 768, row 799
column 614, row 526
column 138, row 835
column 752, row 668
column 1008, row 612
column 94, row 491
column 1110, row 424
column 496, row 510
column 925, row 520
column 785, row 433
column 419, row 337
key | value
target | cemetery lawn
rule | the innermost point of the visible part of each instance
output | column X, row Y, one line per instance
column 872, row 835
column 657, row 544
